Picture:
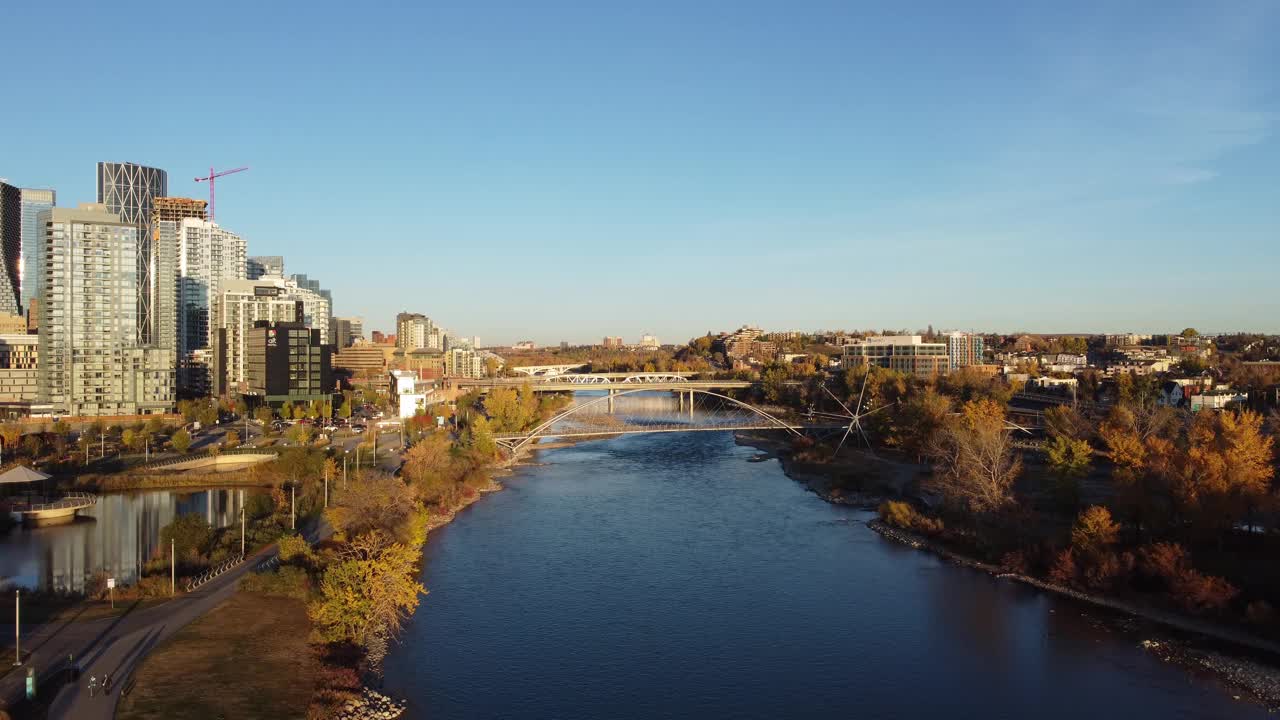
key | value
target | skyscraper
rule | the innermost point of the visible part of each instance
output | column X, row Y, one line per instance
column 34, row 202
column 130, row 190
column 964, row 349
column 10, row 249
column 168, row 214
column 330, row 336
column 262, row 265
column 91, row 362
column 197, row 257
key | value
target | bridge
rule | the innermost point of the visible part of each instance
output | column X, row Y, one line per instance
column 716, row 413
column 603, row 381
column 546, row 370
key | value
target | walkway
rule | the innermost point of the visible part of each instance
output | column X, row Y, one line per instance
column 116, row 646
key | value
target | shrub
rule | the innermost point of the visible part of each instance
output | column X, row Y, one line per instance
column 190, row 534
column 286, row 581
column 1260, row 612
column 152, row 586
column 898, row 514
column 1164, row 561
column 1108, row 569
column 1200, row 593
column 1064, row 570
column 1015, row 561
column 181, row 441
column 295, row 548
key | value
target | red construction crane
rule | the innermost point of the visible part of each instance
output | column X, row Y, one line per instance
column 212, row 177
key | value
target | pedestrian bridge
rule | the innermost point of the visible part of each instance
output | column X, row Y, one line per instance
column 692, row 410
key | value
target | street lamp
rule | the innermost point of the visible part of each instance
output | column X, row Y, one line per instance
column 345, row 453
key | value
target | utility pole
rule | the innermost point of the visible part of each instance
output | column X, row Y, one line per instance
column 17, row 628
column 344, row 469
column 293, row 506
column 146, row 448
column 173, row 570
column 242, row 527
column 326, row 484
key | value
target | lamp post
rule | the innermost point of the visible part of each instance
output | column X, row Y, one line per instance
column 173, row 569
column 344, row 468
column 293, row 505
column 17, row 628
column 326, row 484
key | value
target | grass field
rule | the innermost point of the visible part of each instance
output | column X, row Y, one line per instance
column 249, row 658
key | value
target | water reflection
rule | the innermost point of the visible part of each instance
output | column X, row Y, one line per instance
column 117, row 535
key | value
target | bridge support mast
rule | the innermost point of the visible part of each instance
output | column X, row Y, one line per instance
column 612, row 392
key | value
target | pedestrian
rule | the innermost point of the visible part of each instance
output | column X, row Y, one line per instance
column 93, row 685
column 106, row 684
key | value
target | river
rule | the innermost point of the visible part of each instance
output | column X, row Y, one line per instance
column 664, row 576
column 117, row 536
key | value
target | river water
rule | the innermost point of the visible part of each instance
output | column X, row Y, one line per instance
column 117, row 535
column 665, row 576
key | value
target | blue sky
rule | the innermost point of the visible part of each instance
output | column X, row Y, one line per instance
column 570, row 169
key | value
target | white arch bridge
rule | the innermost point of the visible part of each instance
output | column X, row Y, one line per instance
column 713, row 412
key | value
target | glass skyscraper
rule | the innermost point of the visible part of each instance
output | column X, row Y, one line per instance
column 10, row 248
column 34, row 202
column 129, row 190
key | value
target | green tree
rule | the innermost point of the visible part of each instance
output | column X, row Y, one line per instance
column 208, row 414
column 1189, row 333
column 369, row 593
column 129, row 438
column 181, row 440
column 190, row 534
column 345, row 410
column 264, row 414
column 155, row 424
column 286, row 410
column 1069, row 458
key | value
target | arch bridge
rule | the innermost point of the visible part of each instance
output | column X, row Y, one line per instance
column 596, row 418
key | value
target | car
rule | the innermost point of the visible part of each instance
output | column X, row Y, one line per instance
column 358, row 428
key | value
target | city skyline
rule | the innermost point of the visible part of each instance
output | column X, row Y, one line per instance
column 1105, row 170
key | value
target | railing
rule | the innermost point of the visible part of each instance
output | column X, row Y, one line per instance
column 211, row 573
column 206, row 455
column 70, row 500
column 270, row 563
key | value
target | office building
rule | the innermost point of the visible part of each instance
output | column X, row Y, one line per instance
column 287, row 362
column 649, row 342
column 208, row 256
column 91, row 362
column 34, row 202
column 19, row 373
column 964, row 349
column 261, row 265
column 246, row 302
column 129, row 191
column 363, row 361
column 612, row 342
column 904, row 353
column 463, row 363
column 347, row 331
column 10, row 249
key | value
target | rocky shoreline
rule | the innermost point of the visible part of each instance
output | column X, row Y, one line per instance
column 1257, row 679
column 1242, row 663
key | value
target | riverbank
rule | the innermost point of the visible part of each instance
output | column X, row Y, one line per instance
column 1252, row 675
column 1234, row 658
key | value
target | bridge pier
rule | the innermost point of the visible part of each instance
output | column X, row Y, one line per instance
column 612, row 392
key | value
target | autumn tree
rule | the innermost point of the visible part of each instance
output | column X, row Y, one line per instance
column 479, row 438
column 1225, row 470
column 369, row 592
column 1094, row 531
column 974, row 460
column 11, row 434
column 181, row 441
column 1069, row 458
column 372, row 501
column 232, row 440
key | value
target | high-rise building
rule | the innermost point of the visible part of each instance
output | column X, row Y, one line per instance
column 287, row 362
column 91, row 362
column 905, row 353
column 208, row 257
column 10, row 249
column 347, row 331
column 129, row 190
column 415, row 331
column 262, row 265
column 307, row 283
column 34, row 202
column 649, row 342
column 169, row 213
column 964, row 349
column 245, row 302
column 612, row 342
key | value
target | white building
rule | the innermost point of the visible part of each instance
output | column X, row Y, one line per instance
column 207, row 258
column 460, row 362
column 649, row 342
column 411, row 394
column 245, row 302
column 91, row 362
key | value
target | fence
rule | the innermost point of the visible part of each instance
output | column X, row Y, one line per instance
column 195, row 582
column 207, row 455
